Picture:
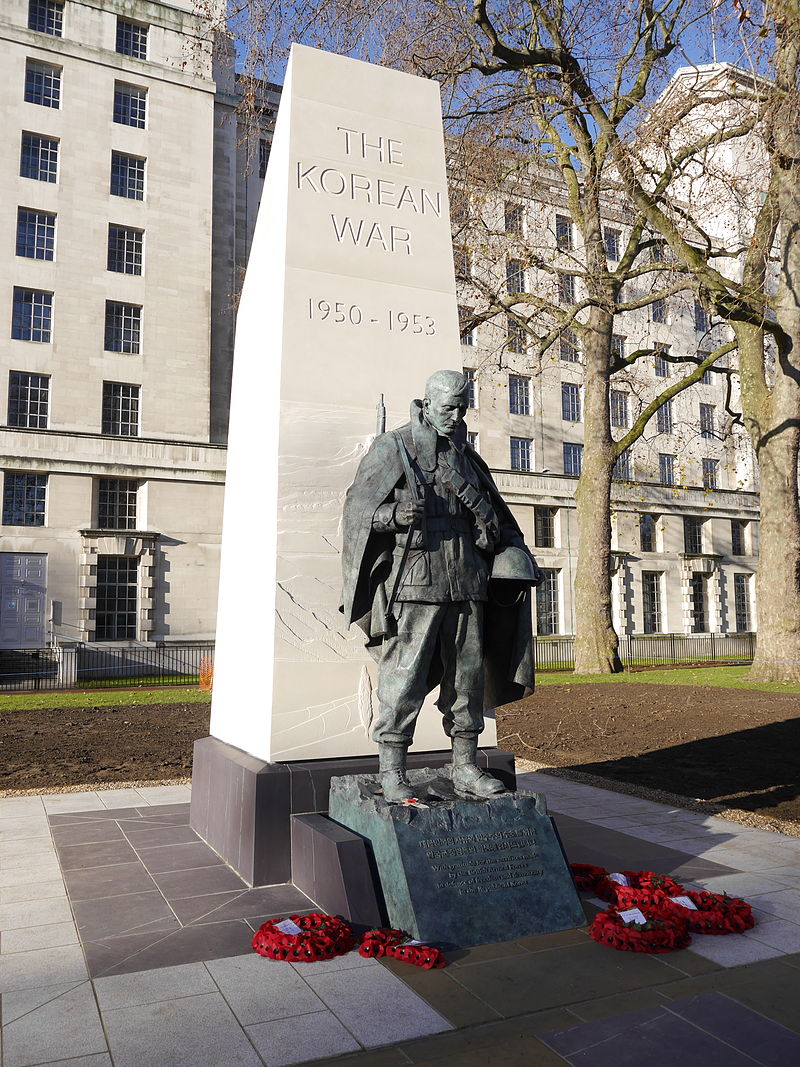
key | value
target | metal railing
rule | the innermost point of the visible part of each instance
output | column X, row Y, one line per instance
column 106, row 667
column 102, row 667
column 557, row 653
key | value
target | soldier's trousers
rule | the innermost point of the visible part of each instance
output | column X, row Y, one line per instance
column 452, row 631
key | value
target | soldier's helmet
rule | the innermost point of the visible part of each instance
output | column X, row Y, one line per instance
column 516, row 564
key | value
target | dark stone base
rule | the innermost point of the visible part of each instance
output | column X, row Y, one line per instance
column 458, row 872
column 243, row 807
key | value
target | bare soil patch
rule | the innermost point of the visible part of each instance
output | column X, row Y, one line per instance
column 52, row 747
column 739, row 748
column 735, row 747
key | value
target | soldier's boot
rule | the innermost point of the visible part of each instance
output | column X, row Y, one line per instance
column 392, row 771
column 468, row 779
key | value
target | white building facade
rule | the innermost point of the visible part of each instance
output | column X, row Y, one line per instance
column 129, row 198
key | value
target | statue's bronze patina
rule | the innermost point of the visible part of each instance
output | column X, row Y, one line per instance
column 437, row 574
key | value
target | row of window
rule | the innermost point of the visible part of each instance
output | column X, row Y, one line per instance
column 544, row 532
column 32, row 320
column 548, row 609
column 47, row 16
column 36, row 239
column 39, row 160
column 521, row 459
column 29, row 404
column 43, row 86
column 25, row 501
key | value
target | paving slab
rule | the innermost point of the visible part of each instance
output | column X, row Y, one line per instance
column 51, row 1023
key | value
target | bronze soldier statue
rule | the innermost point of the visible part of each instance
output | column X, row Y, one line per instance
column 437, row 574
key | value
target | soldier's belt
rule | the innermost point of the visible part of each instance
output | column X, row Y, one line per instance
column 449, row 523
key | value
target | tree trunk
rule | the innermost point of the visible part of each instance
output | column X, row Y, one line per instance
column 778, row 579
column 596, row 642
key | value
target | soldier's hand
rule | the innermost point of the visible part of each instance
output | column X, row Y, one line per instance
column 409, row 512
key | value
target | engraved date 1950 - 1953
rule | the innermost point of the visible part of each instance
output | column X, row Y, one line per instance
column 395, row 321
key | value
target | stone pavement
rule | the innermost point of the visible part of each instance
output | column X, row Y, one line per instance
column 125, row 940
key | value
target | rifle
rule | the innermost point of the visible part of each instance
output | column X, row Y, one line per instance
column 416, row 497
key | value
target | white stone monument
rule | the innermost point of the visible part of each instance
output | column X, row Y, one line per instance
column 349, row 293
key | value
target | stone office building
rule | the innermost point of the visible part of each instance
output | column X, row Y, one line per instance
column 129, row 198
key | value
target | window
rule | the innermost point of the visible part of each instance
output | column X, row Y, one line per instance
column 699, row 604
column 123, row 327
column 515, row 276
column 472, row 395
column 619, row 408
column 116, row 598
column 738, row 530
column 130, row 105
column 263, row 157
column 617, row 346
column 472, row 439
column 24, row 499
column 131, row 39
column 692, row 534
column 611, row 240
column 547, row 603
column 573, row 459
column 519, row 395
column 570, row 402
column 710, row 471
column 120, row 409
column 651, row 602
column 622, row 467
column 564, row 233
column 741, row 602
column 32, row 318
column 28, row 400
column 664, row 417
column 566, row 288
column 466, row 335
column 659, row 251
column 647, row 533
column 568, row 347
column 116, row 503
column 42, row 84
column 125, row 246
column 39, row 157
column 46, row 16
column 659, row 310
column 521, row 450
column 513, row 219
column 706, row 420
column 544, row 527
column 706, row 379
column 662, row 364
column 516, row 335
column 36, row 234
column 666, row 469
column 701, row 322
column 127, row 176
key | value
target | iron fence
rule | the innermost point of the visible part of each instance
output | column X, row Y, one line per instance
column 653, row 650
column 103, row 667
column 106, row 667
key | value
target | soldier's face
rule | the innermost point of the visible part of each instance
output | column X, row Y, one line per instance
column 445, row 410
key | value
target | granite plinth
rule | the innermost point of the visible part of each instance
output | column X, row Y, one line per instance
column 460, row 872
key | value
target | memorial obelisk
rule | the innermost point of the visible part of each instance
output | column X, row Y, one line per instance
column 349, row 294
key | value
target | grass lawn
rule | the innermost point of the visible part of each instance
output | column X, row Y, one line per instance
column 102, row 698
column 730, row 677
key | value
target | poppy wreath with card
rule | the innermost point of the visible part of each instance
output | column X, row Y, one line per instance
column 376, row 943
column 713, row 913
column 664, row 934
column 304, row 938
column 587, row 875
column 644, row 889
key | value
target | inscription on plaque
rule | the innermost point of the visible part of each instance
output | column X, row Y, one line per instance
column 484, row 863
